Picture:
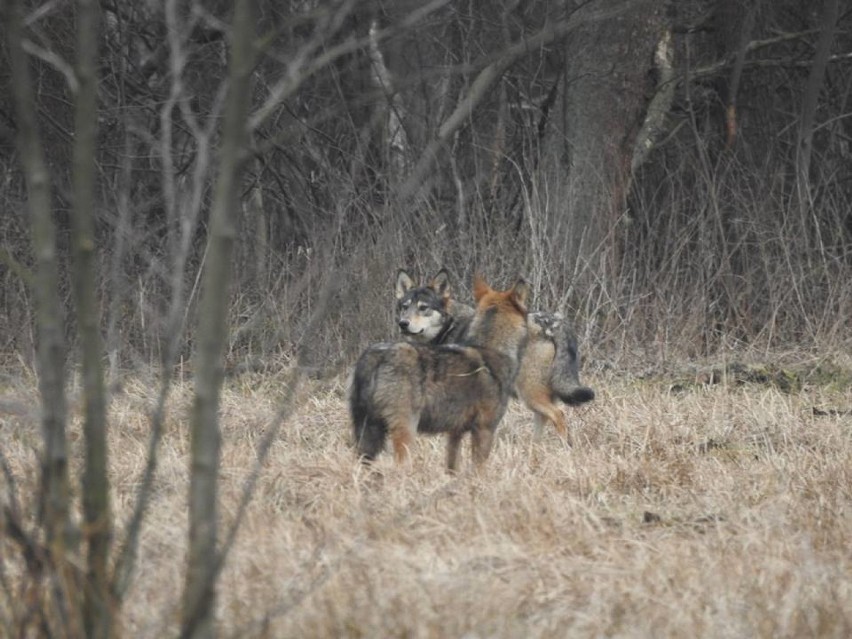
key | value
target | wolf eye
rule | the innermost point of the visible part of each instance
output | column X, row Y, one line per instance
column 405, row 305
column 422, row 307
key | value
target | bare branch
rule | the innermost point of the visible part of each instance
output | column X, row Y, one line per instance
column 754, row 45
column 55, row 61
column 55, row 495
column 305, row 64
column 199, row 596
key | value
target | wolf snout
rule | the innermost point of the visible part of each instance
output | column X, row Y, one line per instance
column 403, row 324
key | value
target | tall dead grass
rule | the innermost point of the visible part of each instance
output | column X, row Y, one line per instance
column 682, row 510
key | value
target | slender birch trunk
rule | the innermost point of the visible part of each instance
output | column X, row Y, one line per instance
column 199, row 597
column 54, row 496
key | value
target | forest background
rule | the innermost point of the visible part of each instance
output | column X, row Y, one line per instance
column 674, row 177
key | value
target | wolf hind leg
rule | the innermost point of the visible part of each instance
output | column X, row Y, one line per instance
column 541, row 404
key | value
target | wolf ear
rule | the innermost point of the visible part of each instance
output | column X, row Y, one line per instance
column 520, row 292
column 404, row 283
column 480, row 288
column 441, row 283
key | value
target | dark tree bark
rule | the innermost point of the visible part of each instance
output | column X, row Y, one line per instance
column 98, row 607
column 54, row 496
column 607, row 105
column 744, row 36
column 199, row 597
column 810, row 100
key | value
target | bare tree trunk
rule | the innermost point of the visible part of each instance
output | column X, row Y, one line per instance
column 54, row 496
column 654, row 124
column 97, row 605
column 122, row 234
column 810, row 100
column 395, row 138
column 259, row 237
column 737, row 73
column 199, row 597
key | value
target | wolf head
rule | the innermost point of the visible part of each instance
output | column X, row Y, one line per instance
column 513, row 301
column 544, row 323
column 422, row 311
column 500, row 322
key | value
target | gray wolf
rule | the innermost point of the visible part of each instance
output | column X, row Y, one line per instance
column 402, row 388
column 549, row 368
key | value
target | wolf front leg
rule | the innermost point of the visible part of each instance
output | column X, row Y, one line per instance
column 482, row 438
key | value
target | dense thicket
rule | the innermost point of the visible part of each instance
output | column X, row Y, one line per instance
column 671, row 174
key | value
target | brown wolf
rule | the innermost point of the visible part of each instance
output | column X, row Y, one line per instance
column 401, row 388
column 549, row 367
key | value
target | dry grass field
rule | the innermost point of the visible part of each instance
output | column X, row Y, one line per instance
column 682, row 510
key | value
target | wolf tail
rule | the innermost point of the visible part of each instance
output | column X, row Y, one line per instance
column 565, row 374
column 369, row 429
